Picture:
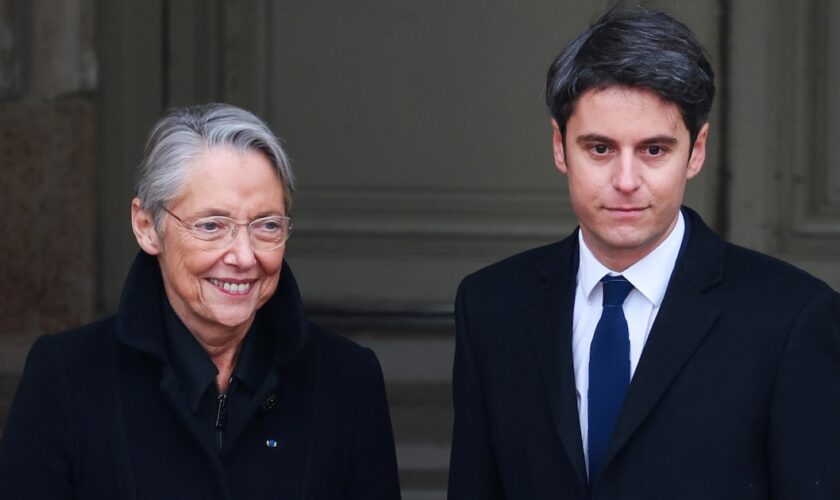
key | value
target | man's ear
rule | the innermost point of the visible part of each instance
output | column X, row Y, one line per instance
column 559, row 151
column 698, row 152
column 143, row 225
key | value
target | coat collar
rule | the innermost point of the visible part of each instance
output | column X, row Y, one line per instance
column 140, row 319
column 550, row 311
column 682, row 322
column 684, row 319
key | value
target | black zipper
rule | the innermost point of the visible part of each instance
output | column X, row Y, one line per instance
column 221, row 414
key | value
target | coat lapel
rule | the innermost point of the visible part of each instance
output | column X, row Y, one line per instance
column 684, row 319
column 549, row 316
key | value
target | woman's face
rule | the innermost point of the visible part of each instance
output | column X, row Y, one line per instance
column 221, row 289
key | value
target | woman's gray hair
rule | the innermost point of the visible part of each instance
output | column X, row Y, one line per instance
column 184, row 133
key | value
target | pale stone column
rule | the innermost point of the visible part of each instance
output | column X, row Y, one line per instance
column 47, row 166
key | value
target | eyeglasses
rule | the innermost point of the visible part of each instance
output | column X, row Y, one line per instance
column 217, row 232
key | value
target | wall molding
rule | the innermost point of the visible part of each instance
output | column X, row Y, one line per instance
column 426, row 222
column 810, row 222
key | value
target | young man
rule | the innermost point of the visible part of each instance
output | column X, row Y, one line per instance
column 642, row 356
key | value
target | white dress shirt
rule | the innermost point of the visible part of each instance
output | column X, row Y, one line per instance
column 649, row 277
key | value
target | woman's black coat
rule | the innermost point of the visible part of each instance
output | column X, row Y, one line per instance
column 99, row 414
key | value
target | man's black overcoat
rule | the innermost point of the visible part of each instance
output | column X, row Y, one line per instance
column 736, row 394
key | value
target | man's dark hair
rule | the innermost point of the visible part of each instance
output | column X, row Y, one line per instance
column 634, row 48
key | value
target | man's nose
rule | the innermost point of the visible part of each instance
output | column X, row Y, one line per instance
column 626, row 176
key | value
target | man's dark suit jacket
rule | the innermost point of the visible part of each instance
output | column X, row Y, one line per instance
column 736, row 394
column 99, row 414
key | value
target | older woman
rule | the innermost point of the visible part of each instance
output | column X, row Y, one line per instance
column 209, row 382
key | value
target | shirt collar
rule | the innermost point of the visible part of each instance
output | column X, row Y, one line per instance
column 141, row 324
column 255, row 356
column 195, row 370
column 649, row 276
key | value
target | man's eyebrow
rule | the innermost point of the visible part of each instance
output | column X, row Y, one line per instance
column 661, row 139
column 657, row 139
column 586, row 138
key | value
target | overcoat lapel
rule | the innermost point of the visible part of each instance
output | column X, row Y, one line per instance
column 549, row 314
column 684, row 319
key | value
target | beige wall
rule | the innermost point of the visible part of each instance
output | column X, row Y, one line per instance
column 422, row 140
column 417, row 130
column 784, row 197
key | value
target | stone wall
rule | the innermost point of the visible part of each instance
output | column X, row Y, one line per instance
column 47, row 175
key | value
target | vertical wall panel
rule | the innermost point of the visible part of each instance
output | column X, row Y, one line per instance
column 130, row 100
column 784, row 131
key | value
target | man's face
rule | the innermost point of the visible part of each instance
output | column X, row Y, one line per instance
column 626, row 155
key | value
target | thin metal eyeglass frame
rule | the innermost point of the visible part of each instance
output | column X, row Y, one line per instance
column 232, row 235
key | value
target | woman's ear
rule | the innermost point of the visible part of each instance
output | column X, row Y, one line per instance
column 143, row 225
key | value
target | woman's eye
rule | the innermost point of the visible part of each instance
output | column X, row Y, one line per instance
column 270, row 226
column 209, row 226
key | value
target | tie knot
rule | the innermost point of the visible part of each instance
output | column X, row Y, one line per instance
column 616, row 289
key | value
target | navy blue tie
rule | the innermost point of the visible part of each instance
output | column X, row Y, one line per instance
column 609, row 370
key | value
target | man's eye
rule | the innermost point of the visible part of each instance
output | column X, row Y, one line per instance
column 600, row 149
column 655, row 150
